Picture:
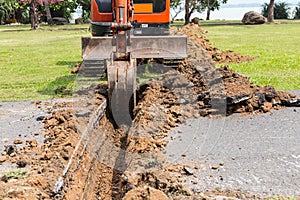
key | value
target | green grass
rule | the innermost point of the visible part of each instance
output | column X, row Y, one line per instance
column 278, row 48
column 14, row 174
column 36, row 64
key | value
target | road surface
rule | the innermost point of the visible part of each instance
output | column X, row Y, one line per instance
column 255, row 153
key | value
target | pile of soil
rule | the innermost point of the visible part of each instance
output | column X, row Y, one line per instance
column 198, row 36
column 239, row 95
column 235, row 90
column 243, row 96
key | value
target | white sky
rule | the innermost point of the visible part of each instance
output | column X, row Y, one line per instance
column 260, row 1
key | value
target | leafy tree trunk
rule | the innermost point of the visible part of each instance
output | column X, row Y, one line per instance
column 208, row 10
column 187, row 12
column 176, row 14
column 271, row 11
column 190, row 7
column 33, row 15
column 210, row 7
column 49, row 17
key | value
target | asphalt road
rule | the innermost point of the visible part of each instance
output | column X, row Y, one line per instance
column 255, row 153
column 18, row 120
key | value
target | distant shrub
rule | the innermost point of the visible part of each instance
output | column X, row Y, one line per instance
column 281, row 10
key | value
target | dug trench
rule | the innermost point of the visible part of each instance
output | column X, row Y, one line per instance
column 84, row 156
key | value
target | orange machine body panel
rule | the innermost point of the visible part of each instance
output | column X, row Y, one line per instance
column 143, row 13
column 143, row 8
column 158, row 18
column 98, row 16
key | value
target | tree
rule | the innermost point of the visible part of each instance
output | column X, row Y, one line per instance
column 63, row 8
column 33, row 8
column 32, row 4
column 47, row 9
column 271, row 11
column 21, row 12
column 192, row 6
column 280, row 11
column 213, row 5
column 33, row 15
column 6, row 9
column 177, row 7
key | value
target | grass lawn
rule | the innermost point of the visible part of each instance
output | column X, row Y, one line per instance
column 35, row 64
column 277, row 45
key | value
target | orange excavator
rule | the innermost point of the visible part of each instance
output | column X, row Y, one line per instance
column 124, row 31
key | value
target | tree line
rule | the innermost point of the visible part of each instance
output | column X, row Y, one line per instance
column 35, row 11
column 270, row 10
column 191, row 6
column 281, row 10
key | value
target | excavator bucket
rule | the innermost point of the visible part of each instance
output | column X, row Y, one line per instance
column 122, row 85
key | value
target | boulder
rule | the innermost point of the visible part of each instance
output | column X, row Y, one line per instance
column 196, row 20
column 82, row 21
column 60, row 21
column 253, row 17
column 79, row 21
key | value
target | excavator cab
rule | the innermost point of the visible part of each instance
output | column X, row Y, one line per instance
column 148, row 17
